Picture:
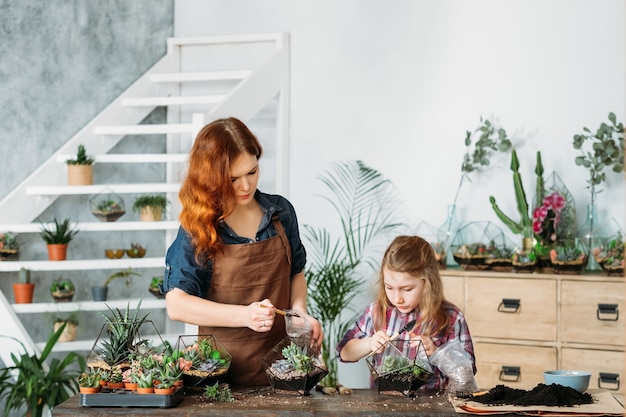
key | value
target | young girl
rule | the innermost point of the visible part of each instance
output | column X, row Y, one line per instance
column 409, row 288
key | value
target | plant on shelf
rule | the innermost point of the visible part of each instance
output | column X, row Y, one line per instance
column 568, row 257
column 610, row 254
column 37, row 382
column 108, row 208
column 366, row 205
column 154, row 287
column 136, row 251
column 23, row 289
column 71, row 326
column 80, row 169
column 62, row 290
column 9, row 248
column 100, row 293
column 57, row 236
column 150, row 207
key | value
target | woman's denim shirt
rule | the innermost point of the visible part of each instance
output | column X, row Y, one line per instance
column 182, row 271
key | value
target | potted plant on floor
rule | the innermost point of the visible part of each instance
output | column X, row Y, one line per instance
column 151, row 207
column 57, row 236
column 80, row 169
column 35, row 383
column 99, row 293
column 23, row 289
column 9, row 248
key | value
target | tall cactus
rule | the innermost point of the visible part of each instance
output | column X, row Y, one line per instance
column 524, row 225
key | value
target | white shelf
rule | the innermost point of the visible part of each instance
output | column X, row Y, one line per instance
column 96, row 226
column 147, row 304
column 136, row 158
column 141, row 188
column 87, row 345
column 85, row 264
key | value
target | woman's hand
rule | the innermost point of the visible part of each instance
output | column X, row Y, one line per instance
column 317, row 333
column 261, row 316
column 378, row 341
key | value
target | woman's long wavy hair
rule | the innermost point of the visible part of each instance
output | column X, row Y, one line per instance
column 207, row 194
column 415, row 256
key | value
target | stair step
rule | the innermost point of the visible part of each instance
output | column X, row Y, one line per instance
column 178, row 77
column 171, row 100
column 132, row 158
column 151, row 129
column 141, row 188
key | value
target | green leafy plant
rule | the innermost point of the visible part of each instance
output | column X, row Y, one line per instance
column 219, row 393
column 296, row 356
column 59, row 233
column 599, row 151
column 90, row 378
column 8, row 241
column 143, row 379
column 150, row 200
column 39, row 385
column 365, row 203
column 400, row 364
column 81, row 157
column 126, row 275
column 23, row 276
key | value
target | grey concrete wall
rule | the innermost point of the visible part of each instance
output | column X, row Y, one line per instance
column 63, row 61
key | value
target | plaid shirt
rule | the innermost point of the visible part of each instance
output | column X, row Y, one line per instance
column 395, row 321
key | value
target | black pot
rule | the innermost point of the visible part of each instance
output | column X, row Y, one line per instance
column 99, row 293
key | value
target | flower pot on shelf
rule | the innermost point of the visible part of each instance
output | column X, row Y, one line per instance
column 107, row 207
column 471, row 242
column 79, row 175
column 150, row 214
column 99, row 293
column 569, row 257
column 69, row 333
column 62, row 290
column 23, row 292
column 609, row 254
column 57, row 251
column 114, row 253
column 9, row 254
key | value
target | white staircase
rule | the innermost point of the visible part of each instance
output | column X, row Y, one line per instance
column 198, row 80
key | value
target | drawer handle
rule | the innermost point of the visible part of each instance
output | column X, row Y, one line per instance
column 609, row 378
column 605, row 309
column 509, row 305
column 512, row 372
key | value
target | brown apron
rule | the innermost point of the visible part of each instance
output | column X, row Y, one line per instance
column 242, row 274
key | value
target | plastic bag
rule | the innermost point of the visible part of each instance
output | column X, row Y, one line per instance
column 455, row 363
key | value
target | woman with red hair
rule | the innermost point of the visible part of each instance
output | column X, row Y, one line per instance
column 238, row 254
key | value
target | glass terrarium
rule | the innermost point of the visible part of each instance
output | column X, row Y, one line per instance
column 500, row 254
column 609, row 254
column 393, row 370
column 294, row 364
column 569, row 257
column 107, row 206
column 437, row 238
column 471, row 242
column 206, row 360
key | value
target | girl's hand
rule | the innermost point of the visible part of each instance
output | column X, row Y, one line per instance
column 427, row 342
column 377, row 341
column 261, row 319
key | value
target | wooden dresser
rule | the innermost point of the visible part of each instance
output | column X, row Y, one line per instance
column 523, row 324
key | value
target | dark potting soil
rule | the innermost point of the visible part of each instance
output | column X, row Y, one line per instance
column 542, row 394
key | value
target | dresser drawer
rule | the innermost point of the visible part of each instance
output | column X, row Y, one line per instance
column 524, row 309
column 512, row 365
column 592, row 312
column 454, row 290
column 609, row 363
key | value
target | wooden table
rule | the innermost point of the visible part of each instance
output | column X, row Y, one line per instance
column 361, row 402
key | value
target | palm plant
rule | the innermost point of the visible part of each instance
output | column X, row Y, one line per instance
column 39, row 385
column 364, row 201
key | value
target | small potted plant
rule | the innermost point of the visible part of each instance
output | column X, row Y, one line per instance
column 154, row 287
column 107, row 208
column 203, row 360
column 99, row 293
column 610, row 255
column 80, row 169
column 151, row 207
column 89, row 381
column 57, row 236
column 220, row 393
column 23, row 289
column 9, row 248
column 136, row 251
column 568, row 257
column 71, row 326
column 62, row 290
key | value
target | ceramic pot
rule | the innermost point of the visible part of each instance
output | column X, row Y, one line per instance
column 99, row 293
column 149, row 390
column 89, row 390
column 23, row 293
column 57, row 251
column 115, row 385
column 164, row 391
column 69, row 333
column 131, row 386
column 150, row 214
column 79, row 175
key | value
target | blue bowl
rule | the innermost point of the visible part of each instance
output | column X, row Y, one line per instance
column 579, row 380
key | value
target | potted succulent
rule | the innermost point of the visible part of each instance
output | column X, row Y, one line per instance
column 472, row 242
column 568, row 257
column 57, row 236
column 151, row 207
column 107, row 208
column 136, row 251
column 9, row 248
column 71, row 326
column 62, row 290
column 610, row 254
column 23, row 289
column 54, row 380
column 100, row 293
column 89, row 381
column 203, row 360
column 500, row 255
column 80, row 169
column 219, row 393
column 154, row 287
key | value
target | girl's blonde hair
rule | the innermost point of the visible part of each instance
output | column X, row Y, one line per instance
column 415, row 256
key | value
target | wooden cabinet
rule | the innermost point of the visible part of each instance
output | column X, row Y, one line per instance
column 523, row 324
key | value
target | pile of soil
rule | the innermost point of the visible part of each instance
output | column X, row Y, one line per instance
column 542, row 394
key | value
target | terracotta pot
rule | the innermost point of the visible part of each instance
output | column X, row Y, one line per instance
column 149, row 390
column 89, row 390
column 115, row 385
column 69, row 333
column 79, row 175
column 164, row 391
column 23, row 293
column 131, row 386
column 150, row 214
column 57, row 251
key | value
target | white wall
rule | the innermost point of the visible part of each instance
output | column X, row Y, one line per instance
column 398, row 83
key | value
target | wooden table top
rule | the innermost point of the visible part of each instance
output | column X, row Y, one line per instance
column 362, row 402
